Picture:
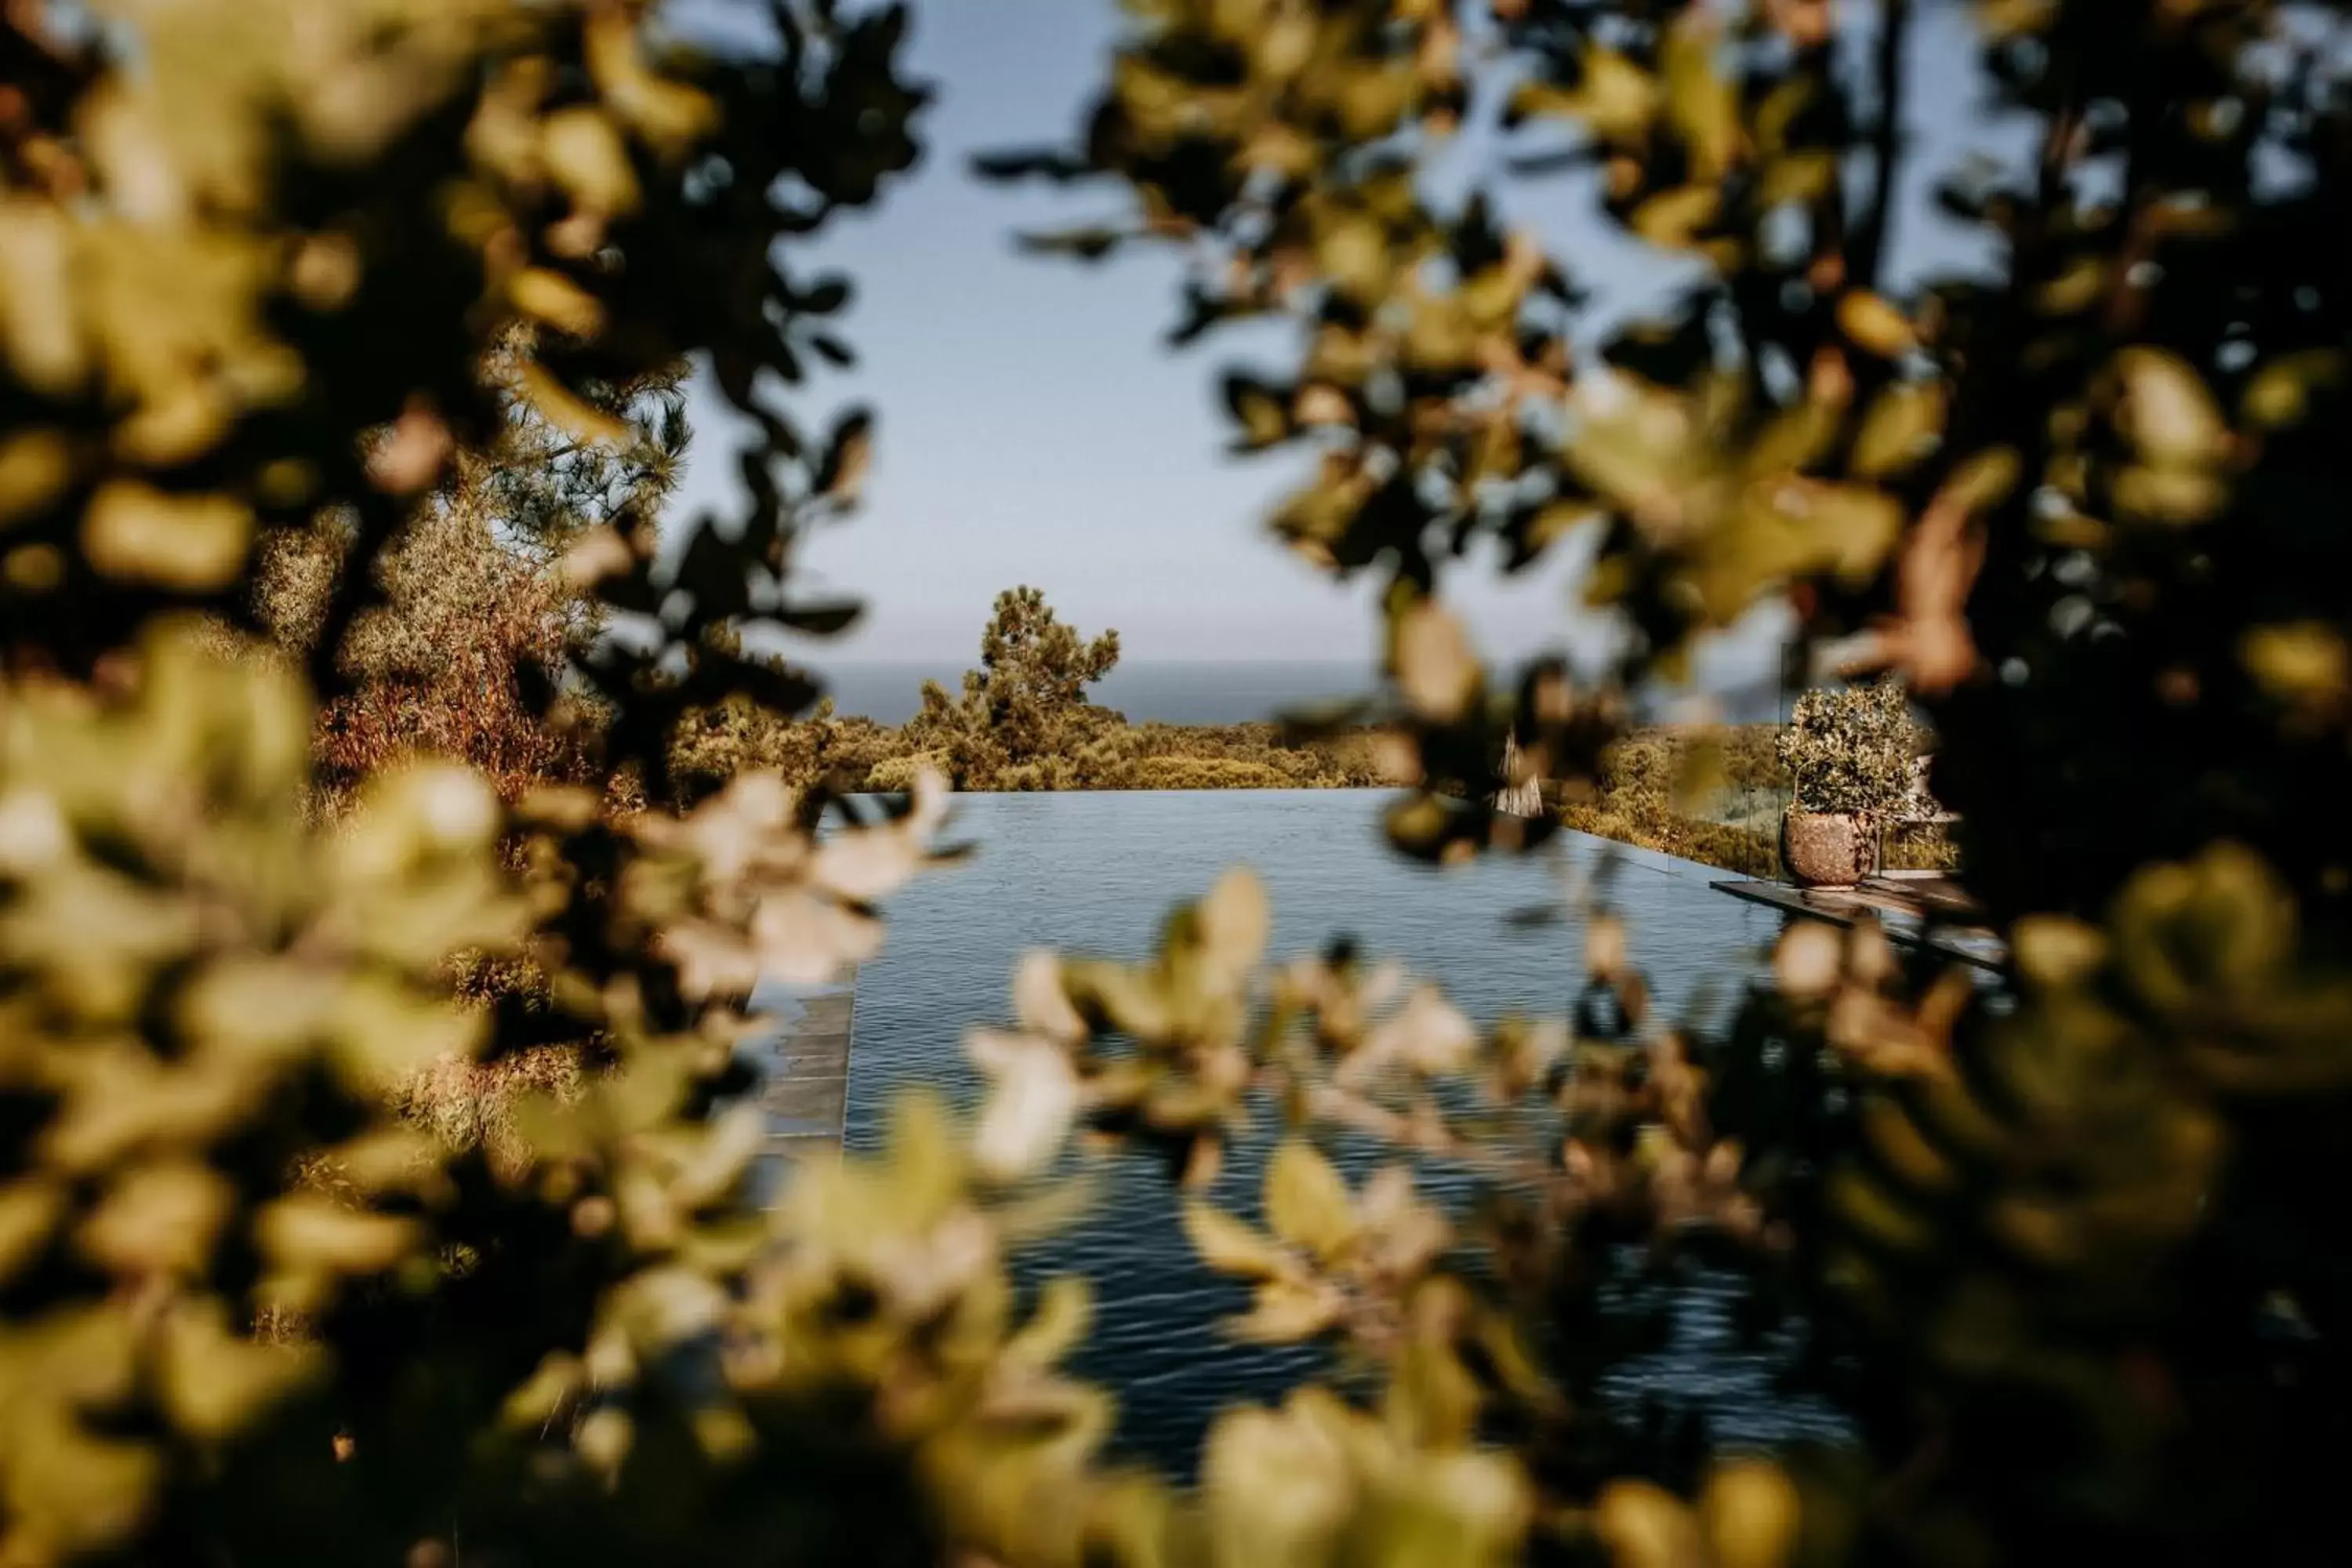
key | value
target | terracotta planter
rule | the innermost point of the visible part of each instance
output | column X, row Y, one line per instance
column 1828, row 848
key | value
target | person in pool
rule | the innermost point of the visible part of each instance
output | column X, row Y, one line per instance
column 1599, row 1084
column 1614, row 1001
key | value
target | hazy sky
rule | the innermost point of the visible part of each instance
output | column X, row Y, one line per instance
column 1033, row 429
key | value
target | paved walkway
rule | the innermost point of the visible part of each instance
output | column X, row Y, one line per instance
column 1913, row 909
column 806, row 1090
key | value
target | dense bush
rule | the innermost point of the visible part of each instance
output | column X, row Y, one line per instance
column 1141, row 756
column 1199, row 773
column 1711, row 794
column 1853, row 750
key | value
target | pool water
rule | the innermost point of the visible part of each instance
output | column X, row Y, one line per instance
column 1097, row 872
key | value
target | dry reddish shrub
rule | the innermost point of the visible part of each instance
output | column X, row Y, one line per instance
column 437, row 668
column 470, row 1104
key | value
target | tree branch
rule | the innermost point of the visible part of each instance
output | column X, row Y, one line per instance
column 1870, row 241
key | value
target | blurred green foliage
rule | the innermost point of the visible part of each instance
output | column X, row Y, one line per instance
column 2068, row 1245
column 289, row 291
column 280, row 283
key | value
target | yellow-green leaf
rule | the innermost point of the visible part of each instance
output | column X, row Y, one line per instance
column 311, row 1231
column 215, row 1383
column 585, row 154
column 2302, row 663
column 1645, row 1526
column 1307, row 1201
column 1234, row 923
column 1701, row 100
column 1673, row 218
column 136, row 534
column 1903, row 425
column 1870, row 322
column 1230, row 1246
column 2168, row 414
column 2277, row 395
column 1617, row 97
column 33, row 467
column 1435, row 668
column 1064, row 1310
column 1285, row 1311
column 1750, row 1511
column 548, row 295
column 29, row 1211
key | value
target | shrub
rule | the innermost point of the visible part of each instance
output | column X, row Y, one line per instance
column 1693, row 792
column 1919, row 846
column 1852, row 750
column 1201, row 773
column 900, row 772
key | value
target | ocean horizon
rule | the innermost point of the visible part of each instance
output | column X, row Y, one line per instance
column 1167, row 691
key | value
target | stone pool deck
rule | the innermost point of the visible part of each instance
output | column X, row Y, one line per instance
column 1918, row 910
column 806, row 1092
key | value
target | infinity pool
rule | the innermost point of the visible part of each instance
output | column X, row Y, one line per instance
column 1096, row 872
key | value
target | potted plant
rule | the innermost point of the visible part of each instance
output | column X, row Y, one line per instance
column 1850, row 755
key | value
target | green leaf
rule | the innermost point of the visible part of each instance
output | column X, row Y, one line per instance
column 1701, row 100
column 2167, row 412
column 1904, row 424
column 1435, row 668
column 1230, row 1246
column 1307, row 1201
column 1261, row 408
column 842, row 472
column 826, row 296
column 1234, row 921
column 1285, row 1311
column 1064, row 1310
column 2278, row 394
column 823, row 620
column 1085, row 244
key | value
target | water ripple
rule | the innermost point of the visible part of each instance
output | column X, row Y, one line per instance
column 1097, row 873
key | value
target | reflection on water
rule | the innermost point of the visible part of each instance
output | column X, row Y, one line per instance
column 1096, row 872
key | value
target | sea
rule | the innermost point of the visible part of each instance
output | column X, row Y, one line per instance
column 1203, row 692
column 1098, row 872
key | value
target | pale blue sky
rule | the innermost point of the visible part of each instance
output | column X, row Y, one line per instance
column 1033, row 429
